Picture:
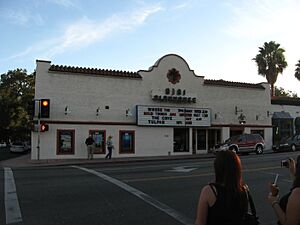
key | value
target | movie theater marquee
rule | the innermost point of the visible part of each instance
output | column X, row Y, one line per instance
column 172, row 116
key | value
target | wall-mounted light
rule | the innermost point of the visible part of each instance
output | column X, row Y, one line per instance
column 257, row 116
column 218, row 115
column 67, row 110
column 269, row 113
column 238, row 110
column 128, row 112
column 242, row 119
column 98, row 111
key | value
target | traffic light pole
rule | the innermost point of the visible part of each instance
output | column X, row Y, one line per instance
column 39, row 124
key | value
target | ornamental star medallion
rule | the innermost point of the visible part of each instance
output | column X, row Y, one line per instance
column 173, row 76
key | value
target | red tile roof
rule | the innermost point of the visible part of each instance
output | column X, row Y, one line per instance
column 102, row 72
column 232, row 84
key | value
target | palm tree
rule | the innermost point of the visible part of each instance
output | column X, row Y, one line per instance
column 270, row 62
column 297, row 71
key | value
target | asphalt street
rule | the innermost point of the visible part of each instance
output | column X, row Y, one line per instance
column 140, row 193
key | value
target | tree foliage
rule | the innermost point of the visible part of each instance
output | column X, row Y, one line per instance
column 297, row 70
column 270, row 62
column 16, row 90
column 283, row 93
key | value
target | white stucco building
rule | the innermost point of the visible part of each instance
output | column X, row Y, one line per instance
column 164, row 110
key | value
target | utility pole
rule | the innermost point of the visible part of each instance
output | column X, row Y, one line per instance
column 39, row 129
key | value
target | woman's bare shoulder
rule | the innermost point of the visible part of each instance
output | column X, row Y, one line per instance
column 296, row 191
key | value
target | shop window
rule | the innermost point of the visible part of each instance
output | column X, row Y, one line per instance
column 99, row 137
column 236, row 131
column 261, row 132
column 65, row 142
column 181, row 140
column 127, row 140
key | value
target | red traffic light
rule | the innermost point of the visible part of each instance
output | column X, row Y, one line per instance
column 45, row 108
column 44, row 127
column 45, row 103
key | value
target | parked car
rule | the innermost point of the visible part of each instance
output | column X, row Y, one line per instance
column 27, row 145
column 17, row 147
column 244, row 143
column 289, row 144
column 3, row 144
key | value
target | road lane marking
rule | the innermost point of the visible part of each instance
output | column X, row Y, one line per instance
column 181, row 169
column 12, row 208
column 191, row 175
column 161, row 206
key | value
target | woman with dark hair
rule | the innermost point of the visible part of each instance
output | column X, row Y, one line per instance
column 288, row 208
column 224, row 201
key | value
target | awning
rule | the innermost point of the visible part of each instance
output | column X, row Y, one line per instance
column 281, row 115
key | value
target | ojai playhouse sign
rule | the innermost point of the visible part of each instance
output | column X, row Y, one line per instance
column 172, row 116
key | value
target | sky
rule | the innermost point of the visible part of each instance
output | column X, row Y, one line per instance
column 217, row 38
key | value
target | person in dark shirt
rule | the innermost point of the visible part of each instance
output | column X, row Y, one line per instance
column 224, row 201
column 90, row 146
column 287, row 209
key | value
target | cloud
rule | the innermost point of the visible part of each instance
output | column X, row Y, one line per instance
column 21, row 17
column 16, row 16
column 65, row 3
column 85, row 32
column 183, row 5
column 261, row 18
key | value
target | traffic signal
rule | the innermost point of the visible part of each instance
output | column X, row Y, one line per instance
column 45, row 108
column 31, row 108
column 44, row 127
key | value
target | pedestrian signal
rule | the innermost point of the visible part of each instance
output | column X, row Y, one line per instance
column 44, row 127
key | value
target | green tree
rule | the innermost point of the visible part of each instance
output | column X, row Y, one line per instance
column 283, row 93
column 16, row 90
column 270, row 62
column 297, row 70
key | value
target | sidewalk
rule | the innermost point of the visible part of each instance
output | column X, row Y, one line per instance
column 25, row 160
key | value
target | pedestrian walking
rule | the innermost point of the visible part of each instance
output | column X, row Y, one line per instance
column 110, row 147
column 90, row 147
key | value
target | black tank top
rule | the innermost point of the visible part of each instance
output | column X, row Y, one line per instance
column 283, row 203
column 227, row 209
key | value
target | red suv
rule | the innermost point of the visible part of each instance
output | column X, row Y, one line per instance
column 243, row 143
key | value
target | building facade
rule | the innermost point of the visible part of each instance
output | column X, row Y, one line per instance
column 164, row 110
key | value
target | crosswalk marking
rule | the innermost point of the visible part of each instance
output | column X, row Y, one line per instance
column 166, row 209
column 12, row 208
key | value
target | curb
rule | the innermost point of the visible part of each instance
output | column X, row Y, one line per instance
column 26, row 162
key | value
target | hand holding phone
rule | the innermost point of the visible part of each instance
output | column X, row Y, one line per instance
column 274, row 188
column 275, row 181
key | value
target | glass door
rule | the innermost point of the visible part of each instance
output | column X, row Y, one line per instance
column 181, row 140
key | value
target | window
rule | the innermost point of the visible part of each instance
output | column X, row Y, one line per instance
column 99, row 137
column 127, row 142
column 181, row 140
column 201, row 139
column 261, row 132
column 65, row 142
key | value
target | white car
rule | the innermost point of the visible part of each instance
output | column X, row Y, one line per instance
column 2, row 145
column 17, row 147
